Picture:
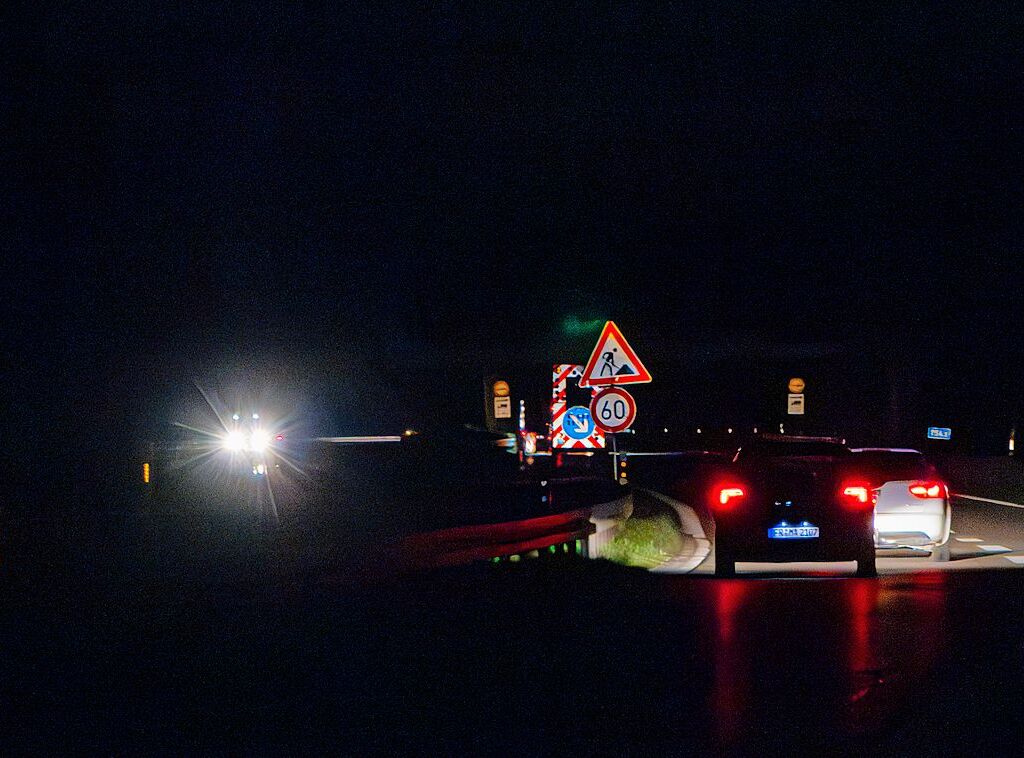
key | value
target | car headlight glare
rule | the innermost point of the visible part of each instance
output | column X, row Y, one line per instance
column 234, row 441
column 259, row 441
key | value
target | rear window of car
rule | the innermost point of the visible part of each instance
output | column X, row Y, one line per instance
column 889, row 467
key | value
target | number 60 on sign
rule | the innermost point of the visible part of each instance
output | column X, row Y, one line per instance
column 614, row 409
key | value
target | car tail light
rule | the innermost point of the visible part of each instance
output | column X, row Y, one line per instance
column 925, row 490
column 857, row 495
column 727, row 496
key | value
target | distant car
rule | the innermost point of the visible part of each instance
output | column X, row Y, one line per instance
column 789, row 498
column 911, row 500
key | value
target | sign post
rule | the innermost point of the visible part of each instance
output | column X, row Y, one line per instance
column 613, row 362
column 498, row 405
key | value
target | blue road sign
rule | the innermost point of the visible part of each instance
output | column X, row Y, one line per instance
column 939, row 433
column 579, row 424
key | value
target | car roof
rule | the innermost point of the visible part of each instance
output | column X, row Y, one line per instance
column 675, row 453
column 886, row 450
column 799, row 438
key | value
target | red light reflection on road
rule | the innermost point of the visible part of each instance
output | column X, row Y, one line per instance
column 895, row 634
column 862, row 605
column 731, row 687
column 845, row 654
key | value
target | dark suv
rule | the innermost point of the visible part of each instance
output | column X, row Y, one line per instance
column 787, row 498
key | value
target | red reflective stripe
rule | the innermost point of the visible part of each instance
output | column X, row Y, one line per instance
column 508, row 531
column 563, row 375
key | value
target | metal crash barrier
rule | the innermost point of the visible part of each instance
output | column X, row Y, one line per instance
column 557, row 534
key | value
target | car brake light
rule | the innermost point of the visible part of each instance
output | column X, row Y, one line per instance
column 925, row 490
column 857, row 495
column 727, row 496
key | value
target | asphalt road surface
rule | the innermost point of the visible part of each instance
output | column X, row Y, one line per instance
column 524, row 658
column 986, row 533
column 537, row 656
column 107, row 651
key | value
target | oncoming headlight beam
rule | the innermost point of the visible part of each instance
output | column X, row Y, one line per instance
column 259, row 441
column 234, row 441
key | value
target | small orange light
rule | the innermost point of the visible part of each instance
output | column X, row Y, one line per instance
column 145, row 473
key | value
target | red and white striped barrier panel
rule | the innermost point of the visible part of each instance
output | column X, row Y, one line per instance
column 560, row 377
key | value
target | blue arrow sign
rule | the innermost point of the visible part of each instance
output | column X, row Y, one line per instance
column 578, row 424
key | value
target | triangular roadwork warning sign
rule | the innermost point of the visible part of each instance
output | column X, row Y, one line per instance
column 613, row 361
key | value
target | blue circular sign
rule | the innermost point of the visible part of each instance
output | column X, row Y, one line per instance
column 578, row 423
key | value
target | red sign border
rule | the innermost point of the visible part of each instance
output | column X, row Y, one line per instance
column 630, row 401
column 642, row 377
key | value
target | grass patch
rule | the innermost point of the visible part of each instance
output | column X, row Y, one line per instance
column 646, row 541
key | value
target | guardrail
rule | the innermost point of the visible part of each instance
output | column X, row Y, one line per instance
column 468, row 544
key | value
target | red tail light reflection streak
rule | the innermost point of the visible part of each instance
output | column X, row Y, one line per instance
column 895, row 633
column 731, row 689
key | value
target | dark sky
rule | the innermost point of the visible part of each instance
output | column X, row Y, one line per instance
column 195, row 181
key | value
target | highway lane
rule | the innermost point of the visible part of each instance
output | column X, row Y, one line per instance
column 985, row 534
column 584, row 655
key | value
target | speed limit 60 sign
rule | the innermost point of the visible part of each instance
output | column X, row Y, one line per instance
column 613, row 409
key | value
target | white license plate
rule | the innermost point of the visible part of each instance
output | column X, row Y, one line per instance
column 793, row 533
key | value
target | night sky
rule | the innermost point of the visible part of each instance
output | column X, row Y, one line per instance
column 319, row 198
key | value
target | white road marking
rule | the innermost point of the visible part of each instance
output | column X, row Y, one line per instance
column 988, row 500
column 968, row 539
column 1018, row 559
column 994, row 548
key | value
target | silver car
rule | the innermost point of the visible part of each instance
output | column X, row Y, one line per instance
column 911, row 500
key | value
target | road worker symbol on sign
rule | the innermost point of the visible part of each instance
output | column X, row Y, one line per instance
column 610, row 368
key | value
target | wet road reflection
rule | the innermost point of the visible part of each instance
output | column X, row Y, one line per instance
column 896, row 635
column 792, row 656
